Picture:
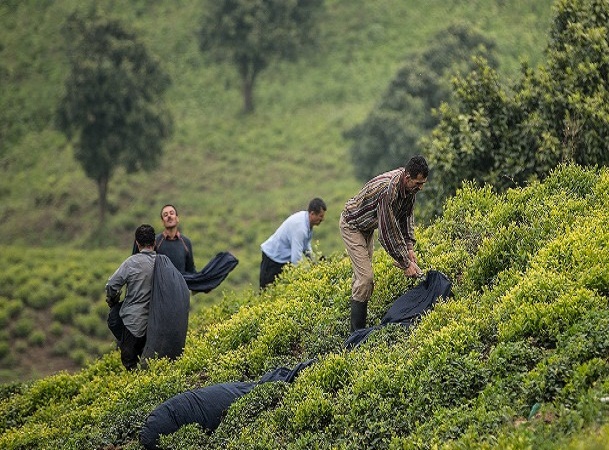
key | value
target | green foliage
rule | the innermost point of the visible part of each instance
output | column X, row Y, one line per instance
column 111, row 104
column 516, row 358
column 373, row 395
column 233, row 177
column 65, row 310
column 67, row 317
column 508, row 135
column 389, row 135
column 251, row 34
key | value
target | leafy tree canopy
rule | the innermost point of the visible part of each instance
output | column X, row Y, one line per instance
column 112, row 106
column 559, row 112
column 390, row 133
column 251, row 33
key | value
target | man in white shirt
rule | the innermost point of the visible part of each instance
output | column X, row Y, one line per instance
column 291, row 241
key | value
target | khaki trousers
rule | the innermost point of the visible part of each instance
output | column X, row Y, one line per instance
column 360, row 247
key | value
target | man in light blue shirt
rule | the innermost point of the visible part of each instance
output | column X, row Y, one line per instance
column 291, row 241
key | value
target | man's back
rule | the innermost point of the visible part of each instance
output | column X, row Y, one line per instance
column 290, row 240
column 136, row 272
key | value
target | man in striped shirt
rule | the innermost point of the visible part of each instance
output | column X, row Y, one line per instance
column 385, row 203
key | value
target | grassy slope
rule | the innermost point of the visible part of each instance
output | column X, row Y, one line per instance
column 234, row 178
column 527, row 327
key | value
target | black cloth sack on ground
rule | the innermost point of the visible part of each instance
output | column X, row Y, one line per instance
column 419, row 299
column 285, row 374
column 214, row 273
column 205, row 406
column 410, row 306
column 168, row 313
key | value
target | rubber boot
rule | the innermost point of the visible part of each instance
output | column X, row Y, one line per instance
column 359, row 310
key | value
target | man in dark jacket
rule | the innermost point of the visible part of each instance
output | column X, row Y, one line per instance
column 174, row 244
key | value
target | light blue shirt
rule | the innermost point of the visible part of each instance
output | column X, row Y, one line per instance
column 291, row 240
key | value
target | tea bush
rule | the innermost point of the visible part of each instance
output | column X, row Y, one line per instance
column 517, row 358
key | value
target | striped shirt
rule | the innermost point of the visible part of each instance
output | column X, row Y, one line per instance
column 384, row 204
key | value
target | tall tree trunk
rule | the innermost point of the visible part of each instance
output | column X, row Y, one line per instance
column 102, row 189
column 248, row 94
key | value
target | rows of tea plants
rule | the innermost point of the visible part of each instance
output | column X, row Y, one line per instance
column 518, row 358
column 52, row 309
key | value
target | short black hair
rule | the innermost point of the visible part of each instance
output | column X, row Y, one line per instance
column 316, row 205
column 165, row 206
column 417, row 165
column 145, row 235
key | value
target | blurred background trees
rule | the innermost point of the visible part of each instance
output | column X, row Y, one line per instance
column 250, row 34
column 112, row 107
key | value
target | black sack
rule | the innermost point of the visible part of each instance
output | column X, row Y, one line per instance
column 409, row 306
column 210, row 277
column 205, row 406
column 419, row 299
column 168, row 313
column 214, row 273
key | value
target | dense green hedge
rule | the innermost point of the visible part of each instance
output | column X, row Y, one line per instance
column 517, row 359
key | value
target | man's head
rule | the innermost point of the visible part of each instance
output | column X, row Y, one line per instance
column 416, row 174
column 317, row 211
column 417, row 165
column 169, row 216
column 144, row 236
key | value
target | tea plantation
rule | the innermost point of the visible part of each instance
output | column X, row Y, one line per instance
column 517, row 359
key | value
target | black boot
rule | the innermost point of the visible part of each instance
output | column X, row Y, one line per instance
column 359, row 311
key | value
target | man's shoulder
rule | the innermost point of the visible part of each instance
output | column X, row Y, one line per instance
column 138, row 258
column 386, row 176
column 296, row 216
column 295, row 219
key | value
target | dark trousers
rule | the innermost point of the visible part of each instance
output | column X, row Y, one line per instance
column 131, row 347
column 269, row 270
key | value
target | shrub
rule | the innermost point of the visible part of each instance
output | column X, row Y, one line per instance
column 37, row 338
column 23, row 327
column 5, row 349
column 66, row 309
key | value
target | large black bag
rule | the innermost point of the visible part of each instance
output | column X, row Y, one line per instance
column 168, row 313
column 205, row 406
column 214, row 273
column 210, row 277
column 408, row 307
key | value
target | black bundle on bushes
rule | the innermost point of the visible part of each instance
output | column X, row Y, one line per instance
column 205, row 406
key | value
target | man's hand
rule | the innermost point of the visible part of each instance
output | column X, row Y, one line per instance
column 113, row 300
column 412, row 256
column 413, row 270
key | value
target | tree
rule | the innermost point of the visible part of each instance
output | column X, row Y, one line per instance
column 390, row 133
column 112, row 105
column 250, row 34
column 558, row 112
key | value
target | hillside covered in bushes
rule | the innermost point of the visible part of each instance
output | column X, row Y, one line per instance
column 517, row 359
column 233, row 177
